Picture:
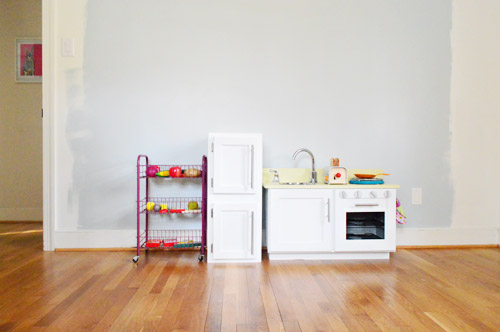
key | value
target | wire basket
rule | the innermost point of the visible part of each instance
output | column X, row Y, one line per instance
column 172, row 239
column 188, row 171
column 163, row 205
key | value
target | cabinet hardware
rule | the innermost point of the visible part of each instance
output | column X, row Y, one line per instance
column 212, row 146
column 42, row 112
column 212, row 182
column 328, row 205
column 211, row 213
column 251, row 166
column 212, row 248
column 251, row 232
column 366, row 204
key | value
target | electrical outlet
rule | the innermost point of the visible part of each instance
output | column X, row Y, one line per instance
column 416, row 196
column 68, row 47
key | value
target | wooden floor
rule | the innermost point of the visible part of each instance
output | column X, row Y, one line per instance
column 417, row 290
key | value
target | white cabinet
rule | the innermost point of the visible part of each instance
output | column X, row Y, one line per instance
column 234, row 231
column 365, row 220
column 234, row 228
column 301, row 220
column 332, row 223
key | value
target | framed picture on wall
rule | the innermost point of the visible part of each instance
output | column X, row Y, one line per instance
column 28, row 60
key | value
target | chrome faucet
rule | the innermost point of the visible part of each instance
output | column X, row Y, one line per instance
column 314, row 175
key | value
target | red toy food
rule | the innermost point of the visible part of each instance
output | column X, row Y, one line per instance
column 175, row 172
column 153, row 243
column 152, row 170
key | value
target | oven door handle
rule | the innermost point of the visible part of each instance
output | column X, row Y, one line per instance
column 366, row 204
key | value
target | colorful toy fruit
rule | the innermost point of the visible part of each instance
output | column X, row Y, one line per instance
column 193, row 205
column 157, row 208
column 192, row 173
column 163, row 174
column 150, row 206
column 152, row 170
column 175, row 172
column 162, row 208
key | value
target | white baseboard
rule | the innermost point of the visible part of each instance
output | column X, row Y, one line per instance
column 95, row 239
column 328, row 256
column 21, row 214
column 447, row 236
column 404, row 237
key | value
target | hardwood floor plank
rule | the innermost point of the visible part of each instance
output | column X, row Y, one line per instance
column 57, row 311
column 213, row 320
column 271, row 309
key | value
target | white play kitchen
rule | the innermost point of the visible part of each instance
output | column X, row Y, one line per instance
column 350, row 214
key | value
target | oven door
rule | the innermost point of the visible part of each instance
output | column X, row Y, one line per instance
column 366, row 224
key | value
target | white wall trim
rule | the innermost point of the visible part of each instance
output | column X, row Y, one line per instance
column 95, row 239
column 447, row 236
column 21, row 214
column 48, row 30
column 404, row 237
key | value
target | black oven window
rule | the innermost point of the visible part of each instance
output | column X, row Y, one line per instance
column 365, row 225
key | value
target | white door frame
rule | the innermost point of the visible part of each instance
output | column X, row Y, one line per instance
column 48, row 30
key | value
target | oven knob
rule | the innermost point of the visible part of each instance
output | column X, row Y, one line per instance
column 387, row 194
column 343, row 194
column 358, row 194
column 338, row 175
column 373, row 194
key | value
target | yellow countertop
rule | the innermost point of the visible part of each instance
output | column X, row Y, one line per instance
column 303, row 175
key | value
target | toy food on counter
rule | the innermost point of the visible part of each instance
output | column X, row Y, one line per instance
column 192, row 173
column 150, row 206
column 157, row 208
column 163, row 174
column 193, row 205
column 175, row 172
column 152, row 170
column 177, row 210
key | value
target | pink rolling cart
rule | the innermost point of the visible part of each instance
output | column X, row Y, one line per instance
column 147, row 205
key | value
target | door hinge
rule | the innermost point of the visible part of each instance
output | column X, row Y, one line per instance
column 212, row 248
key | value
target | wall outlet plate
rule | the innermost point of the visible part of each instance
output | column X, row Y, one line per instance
column 416, row 196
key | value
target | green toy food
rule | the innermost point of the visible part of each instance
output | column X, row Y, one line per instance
column 163, row 174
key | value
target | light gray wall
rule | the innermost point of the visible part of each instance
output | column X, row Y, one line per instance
column 365, row 81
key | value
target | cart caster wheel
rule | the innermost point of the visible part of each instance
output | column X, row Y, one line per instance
column 201, row 257
column 135, row 259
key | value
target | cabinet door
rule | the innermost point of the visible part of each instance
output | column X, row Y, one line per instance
column 234, row 231
column 300, row 220
column 235, row 165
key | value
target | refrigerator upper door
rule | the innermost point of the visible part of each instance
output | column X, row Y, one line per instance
column 235, row 165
